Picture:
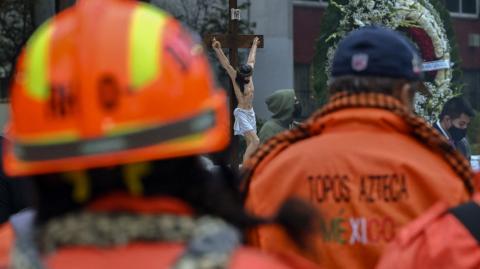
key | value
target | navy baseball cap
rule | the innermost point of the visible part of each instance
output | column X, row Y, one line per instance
column 377, row 51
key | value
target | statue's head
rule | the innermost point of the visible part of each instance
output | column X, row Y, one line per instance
column 244, row 73
column 245, row 70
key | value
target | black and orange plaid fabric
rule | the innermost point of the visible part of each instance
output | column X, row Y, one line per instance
column 420, row 129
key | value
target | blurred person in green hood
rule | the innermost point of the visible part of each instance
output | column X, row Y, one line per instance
column 285, row 108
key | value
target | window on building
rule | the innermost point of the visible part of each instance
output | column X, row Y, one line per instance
column 471, row 81
column 303, row 89
column 463, row 8
column 311, row 2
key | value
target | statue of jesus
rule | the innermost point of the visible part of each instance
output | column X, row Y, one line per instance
column 242, row 80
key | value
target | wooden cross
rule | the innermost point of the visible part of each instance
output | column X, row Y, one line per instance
column 233, row 41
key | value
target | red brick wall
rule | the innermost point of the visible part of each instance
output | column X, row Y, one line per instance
column 470, row 56
column 306, row 28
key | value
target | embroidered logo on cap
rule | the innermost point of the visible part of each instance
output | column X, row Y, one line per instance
column 359, row 62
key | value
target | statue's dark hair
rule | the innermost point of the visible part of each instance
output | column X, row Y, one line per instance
column 244, row 72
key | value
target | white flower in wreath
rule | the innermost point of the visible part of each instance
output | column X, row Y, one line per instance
column 356, row 17
column 370, row 5
column 359, row 23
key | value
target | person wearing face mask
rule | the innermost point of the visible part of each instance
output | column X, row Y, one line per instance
column 453, row 123
column 285, row 107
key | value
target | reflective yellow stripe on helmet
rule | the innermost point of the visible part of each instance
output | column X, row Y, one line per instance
column 36, row 62
column 147, row 27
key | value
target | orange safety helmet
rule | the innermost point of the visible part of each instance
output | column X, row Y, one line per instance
column 111, row 82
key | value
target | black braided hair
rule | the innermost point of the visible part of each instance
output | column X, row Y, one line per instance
column 208, row 192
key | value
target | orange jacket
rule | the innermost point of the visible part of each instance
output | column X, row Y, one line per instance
column 6, row 240
column 157, row 256
column 435, row 240
column 366, row 175
column 150, row 255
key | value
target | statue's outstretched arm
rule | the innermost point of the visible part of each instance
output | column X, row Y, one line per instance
column 217, row 47
column 253, row 52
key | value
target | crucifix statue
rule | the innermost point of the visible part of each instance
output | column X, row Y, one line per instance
column 241, row 87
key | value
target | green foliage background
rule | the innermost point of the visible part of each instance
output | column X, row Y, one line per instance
column 16, row 25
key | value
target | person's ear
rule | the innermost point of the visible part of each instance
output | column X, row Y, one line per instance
column 405, row 94
column 447, row 120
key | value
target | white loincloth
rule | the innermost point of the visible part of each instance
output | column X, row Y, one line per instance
column 244, row 121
